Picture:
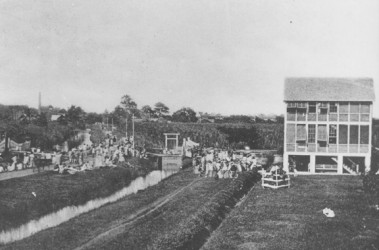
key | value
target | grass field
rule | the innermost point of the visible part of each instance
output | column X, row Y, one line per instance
column 54, row 191
column 83, row 228
column 141, row 234
column 293, row 219
column 136, row 221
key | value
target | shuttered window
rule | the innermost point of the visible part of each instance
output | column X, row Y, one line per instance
column 301, row 134
column 290, row 133
column 322, row 134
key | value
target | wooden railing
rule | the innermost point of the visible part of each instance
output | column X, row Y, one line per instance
column 332, row 117
column 331, row 148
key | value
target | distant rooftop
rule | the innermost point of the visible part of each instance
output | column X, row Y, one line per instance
column 329, row 89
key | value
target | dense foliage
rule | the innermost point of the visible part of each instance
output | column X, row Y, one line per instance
column 184, row 115
column 371, row 180
column 21, row 123
column 262, row 136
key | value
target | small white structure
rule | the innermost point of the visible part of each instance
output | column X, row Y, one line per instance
column 171, row 141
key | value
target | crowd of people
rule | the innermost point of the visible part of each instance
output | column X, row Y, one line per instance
column 24, row 160
column 220, row 163
column 108, row 153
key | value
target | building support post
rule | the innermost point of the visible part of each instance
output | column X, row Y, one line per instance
column 285, row 163
column 312, row 163
column 340, row 164
column 367, row 163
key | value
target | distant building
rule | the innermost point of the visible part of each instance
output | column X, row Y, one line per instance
column 209, row 118
column 328, row 124
column 56, row 117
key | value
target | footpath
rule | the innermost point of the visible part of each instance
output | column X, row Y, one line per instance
column 24, row 172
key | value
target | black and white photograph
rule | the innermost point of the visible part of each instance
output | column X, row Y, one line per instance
column 199, row 125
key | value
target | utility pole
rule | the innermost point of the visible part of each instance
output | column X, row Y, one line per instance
column 133, row 130
column 126, row 126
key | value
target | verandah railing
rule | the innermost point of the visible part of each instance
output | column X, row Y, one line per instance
column 331, row 148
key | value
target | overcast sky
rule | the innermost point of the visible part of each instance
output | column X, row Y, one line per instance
column 229, row 57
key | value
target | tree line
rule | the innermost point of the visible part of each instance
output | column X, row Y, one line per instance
column 22, row 123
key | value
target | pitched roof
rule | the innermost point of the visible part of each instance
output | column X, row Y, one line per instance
column 329, row 89
column 56, row 117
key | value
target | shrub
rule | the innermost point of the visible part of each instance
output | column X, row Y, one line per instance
column 371, row 187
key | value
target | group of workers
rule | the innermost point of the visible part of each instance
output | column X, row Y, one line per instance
column 24, row 160
column 222, row 163
column 108, row 153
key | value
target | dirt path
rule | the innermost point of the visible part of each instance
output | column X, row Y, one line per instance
column 25, row 172
column 121, row 226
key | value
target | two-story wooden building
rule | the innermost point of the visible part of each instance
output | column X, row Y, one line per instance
column 328, row 124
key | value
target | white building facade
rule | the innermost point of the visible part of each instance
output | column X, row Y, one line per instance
column 328, row 125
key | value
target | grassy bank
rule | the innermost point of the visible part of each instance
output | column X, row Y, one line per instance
column 145, row 232
column 53, row 191
column 192, row 232
column 85, row 227
column 293, row 219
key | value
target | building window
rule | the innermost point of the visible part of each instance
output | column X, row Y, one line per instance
column 323, row 108
column 354, row 111
column 290, row 133
column 311, row 133
column 333, row 134
column 291, row 111
column 365, row 108
column 333, row 107
column 364, row 135
column 322, row 111
column 312, row 107
column 364, row 112
column 291, row 105
column 322, row 134
column 323, row 105
column 301, row 114
column 301, row 133
column 354, row 108
column 344, row 108
column 353, row 137
column 301, row 105
column 342, row 135
column 344, row 111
